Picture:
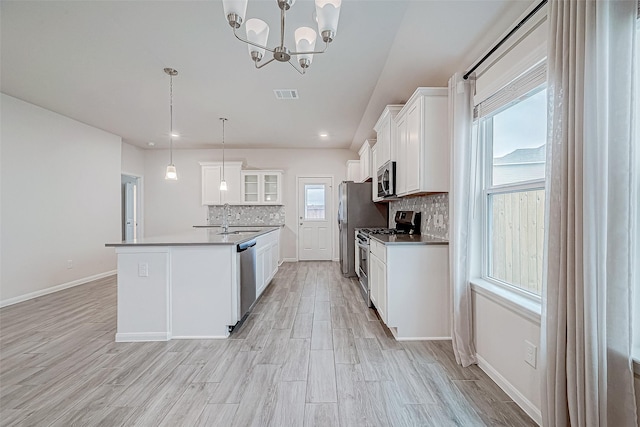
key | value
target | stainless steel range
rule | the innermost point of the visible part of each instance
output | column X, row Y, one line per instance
column 407, row 222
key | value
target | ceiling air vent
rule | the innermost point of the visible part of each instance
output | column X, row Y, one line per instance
column 286, row 93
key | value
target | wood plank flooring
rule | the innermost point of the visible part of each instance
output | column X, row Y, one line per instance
column 310, row 354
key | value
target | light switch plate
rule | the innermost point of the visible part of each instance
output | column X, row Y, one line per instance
column 143, row 269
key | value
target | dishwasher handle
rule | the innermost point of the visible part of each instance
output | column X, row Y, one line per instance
column 246, row 245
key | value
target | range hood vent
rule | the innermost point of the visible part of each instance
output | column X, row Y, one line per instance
column 286, row 93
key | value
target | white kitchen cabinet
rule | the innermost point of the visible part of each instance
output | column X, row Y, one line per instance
column 386, row 130
column 353, row 170
column 410, row 289
column 267, row 259
column 261, row 187
column 374, row 178
column 423, row 145
column 366, row 170
column 378, row 278
column 211, row 178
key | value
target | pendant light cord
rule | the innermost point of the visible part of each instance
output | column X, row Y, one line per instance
column 223, row 120
column 171, row 118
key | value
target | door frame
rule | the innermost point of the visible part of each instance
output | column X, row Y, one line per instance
column 139, row 203
column 334, row 196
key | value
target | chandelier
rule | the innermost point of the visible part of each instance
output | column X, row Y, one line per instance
column 327, row 15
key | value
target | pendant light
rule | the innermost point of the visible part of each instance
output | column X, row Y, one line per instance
column 171, row 174
column 223, row 183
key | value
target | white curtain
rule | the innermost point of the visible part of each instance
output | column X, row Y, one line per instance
column 592, row 202
column 460, row 215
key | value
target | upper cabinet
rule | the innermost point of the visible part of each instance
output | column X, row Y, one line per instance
column 387, row 134
column 261, row 187
column 422, row 162
column 374, row 179
column 353, row 170
column 366, row 169
column 212, row 176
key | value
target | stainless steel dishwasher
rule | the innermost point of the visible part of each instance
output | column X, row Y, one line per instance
column 247, row 251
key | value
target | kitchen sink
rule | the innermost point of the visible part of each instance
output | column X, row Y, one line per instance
column 239, row 232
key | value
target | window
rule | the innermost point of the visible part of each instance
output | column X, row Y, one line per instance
column 314, row 201
column 512, row 128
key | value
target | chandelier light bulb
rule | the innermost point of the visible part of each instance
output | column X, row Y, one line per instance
column 305, row 42
column 223, row 185
column 328, row 12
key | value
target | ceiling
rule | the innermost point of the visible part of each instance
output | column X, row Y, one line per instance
column 101, row 63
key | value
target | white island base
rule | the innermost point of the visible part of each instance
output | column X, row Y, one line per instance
column 185, row 291
column 176, row 292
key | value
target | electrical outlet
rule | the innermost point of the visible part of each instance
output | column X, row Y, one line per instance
column 143, row 269
column 530, row 353
column 69, row 264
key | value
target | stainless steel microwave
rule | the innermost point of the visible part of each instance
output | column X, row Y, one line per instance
column 387, row 180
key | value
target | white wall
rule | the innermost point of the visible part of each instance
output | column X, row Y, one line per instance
column 132, row 160
column 174, row 206
column 60, row 199
column 500, row 335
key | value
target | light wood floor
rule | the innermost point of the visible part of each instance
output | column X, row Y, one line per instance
column 310, row 353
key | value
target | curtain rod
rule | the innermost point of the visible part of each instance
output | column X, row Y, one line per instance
column 505, row 38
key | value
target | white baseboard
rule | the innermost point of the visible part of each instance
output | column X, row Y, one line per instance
column 200, row 337
column 511, row 391
column 423, row 338
column 52, row 289
column 290, row 260
column 142, row 336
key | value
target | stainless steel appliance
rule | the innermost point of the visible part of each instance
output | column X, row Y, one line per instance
column 407, row 222
column 355, row 209
column 387, row 180
column 247, row 252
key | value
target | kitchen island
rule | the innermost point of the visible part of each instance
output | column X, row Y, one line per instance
column 187, row 285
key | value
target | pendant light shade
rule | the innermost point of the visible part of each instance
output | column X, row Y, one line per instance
column 223, row 183
column 172, row 173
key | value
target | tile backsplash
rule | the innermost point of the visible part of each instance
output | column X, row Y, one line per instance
column 434, row 209
column 248, row 215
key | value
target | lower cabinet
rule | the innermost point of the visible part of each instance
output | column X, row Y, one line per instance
column 410, row 289
column 267, row 259
column 378, row 281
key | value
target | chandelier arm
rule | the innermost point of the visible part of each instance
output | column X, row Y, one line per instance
column 262, row 65
column 294, row 67
column 252, row 43
column 315, row 52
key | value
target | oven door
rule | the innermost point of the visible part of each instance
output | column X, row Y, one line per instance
column 363, row 269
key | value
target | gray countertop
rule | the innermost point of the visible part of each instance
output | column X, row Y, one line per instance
column 234, row 227
column 408, row 239
column 197, row 237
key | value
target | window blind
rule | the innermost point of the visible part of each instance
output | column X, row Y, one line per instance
column 536, row 76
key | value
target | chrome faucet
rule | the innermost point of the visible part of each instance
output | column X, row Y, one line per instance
column 226, row 213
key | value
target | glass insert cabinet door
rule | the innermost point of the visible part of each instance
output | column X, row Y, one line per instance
column 270, row 190
column 251, row 188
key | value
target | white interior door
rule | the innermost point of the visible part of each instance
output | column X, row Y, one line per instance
column 315, row 241
column 129, row 211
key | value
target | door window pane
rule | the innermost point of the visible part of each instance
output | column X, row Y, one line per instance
column 314, row 201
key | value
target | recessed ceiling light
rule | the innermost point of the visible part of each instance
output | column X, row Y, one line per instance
column 324, row 135
column 151, row 144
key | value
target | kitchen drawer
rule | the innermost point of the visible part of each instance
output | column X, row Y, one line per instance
column 379, row 250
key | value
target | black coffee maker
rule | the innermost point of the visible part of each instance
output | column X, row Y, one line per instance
column 408, row 222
